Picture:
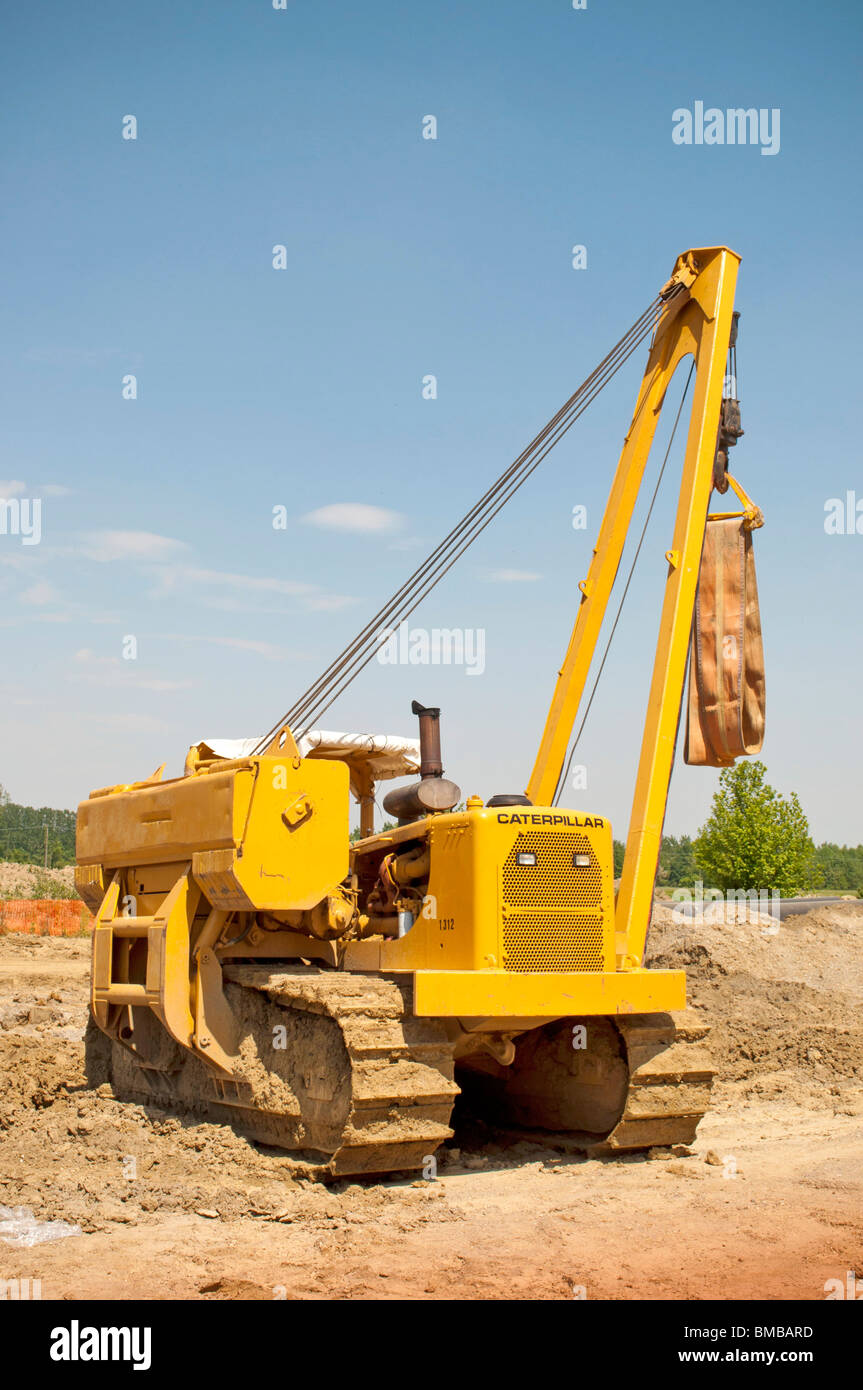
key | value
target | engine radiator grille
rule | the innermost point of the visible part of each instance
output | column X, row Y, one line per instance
column 564, row 928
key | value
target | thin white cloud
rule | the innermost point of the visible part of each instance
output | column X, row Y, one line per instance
column 405, row 543
column 250, row 583
column 161, row 557
column 135, row 723
column 27, row 619
column 356, row 517
column 40, row 594
column 12, row 487
column 170, row 578
column 512, row 577
column 330, row 603
column 18, row 559
column 226, row 603
column 114, row 672
column 130, row 545
column 53, row 490
column 241, row 644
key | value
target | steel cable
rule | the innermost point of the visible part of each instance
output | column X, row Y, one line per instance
column 561, row 781
column 470, row 523
column 348, row 664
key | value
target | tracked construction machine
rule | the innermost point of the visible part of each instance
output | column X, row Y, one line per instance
column 253, row 965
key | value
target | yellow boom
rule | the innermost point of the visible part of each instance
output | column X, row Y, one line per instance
column 696, row 325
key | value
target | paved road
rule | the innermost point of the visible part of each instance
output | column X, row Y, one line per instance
column 788, row 907
column 791, row 907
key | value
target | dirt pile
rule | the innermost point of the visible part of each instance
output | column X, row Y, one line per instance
column 31, row 881
column 783, row 999
column 67, row 1151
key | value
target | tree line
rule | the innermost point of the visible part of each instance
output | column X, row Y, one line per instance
column 838, row 867
column 25, row 831
column 755, row 839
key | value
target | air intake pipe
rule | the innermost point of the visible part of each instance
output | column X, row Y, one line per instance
column 433, row 792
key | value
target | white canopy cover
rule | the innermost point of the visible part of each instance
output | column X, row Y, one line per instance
column 387, row 755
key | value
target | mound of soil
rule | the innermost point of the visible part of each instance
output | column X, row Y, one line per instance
column 30, row 881
column 783, row 999
column 69, row 1151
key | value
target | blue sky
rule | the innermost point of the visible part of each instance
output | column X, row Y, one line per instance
column 302, row 387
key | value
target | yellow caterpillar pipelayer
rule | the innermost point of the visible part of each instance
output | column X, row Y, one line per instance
column 250, row 963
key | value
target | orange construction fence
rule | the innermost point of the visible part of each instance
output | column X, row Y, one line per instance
column 45, row 916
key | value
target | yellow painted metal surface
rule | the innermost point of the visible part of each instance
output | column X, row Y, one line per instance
column 264, row 835
column 164, row 988
column 704, row 330
column 483, row 910
column 477, row 994
column 697, row 324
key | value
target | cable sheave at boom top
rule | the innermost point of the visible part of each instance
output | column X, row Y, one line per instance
column 307, row 710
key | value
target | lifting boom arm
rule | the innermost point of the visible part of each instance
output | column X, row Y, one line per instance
column 696, row 321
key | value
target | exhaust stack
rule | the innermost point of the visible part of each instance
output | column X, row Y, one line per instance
column 433, row 792
column 430, row 760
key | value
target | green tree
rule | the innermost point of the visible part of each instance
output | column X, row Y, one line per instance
column 23, row 832
column 355, row 833
column 754, row 838
column 841, row 867
column 676, row 861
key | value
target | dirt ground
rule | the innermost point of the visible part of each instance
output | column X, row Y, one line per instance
column 28, row 880
column 767, row 1204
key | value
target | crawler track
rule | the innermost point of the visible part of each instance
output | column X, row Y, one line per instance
column 336, row 1069
column 332, row 1067
column 637, row 1081
column 670, row 1080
